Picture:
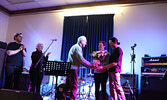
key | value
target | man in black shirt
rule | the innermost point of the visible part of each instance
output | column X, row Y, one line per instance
column 114, row 67
column 14, row 62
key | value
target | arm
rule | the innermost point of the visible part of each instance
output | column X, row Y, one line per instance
column 12, row 52
column 81, row 59
column 47, row 56
column 24, row 51
column 115, row 61
column 110, row 65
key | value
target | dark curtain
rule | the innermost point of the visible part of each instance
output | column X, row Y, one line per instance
column 95, row 27
column 73, row 28
column 100, row 28
column 2, row 61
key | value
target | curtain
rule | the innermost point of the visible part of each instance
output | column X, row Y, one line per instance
column 73, row 28
column 95, row 27
column 100, row 28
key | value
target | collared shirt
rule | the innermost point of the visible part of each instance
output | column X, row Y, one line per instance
column 75, row 57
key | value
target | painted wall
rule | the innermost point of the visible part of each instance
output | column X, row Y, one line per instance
column 4, row 19
column 144, row 25
column 38, row 28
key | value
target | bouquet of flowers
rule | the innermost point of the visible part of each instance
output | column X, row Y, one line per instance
column 97, row 56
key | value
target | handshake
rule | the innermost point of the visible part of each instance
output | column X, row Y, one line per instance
column 95, row 65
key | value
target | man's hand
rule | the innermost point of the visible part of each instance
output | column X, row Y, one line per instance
column 48, row 53
column 93, row 66
column 99, row 68
column 22, row 47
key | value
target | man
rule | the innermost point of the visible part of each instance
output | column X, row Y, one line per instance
column 14, row 62
column 114, row 67
column 36, row 71
column 75, row 57
column 101, row 76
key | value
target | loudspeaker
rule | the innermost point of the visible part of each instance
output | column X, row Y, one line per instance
column 128, row 79
column 3, row 45
column 153, row 88
column 19, row 95
column 2, row 57
column 24, row 82
column 129, row 84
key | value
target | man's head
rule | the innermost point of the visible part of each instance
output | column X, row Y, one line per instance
column 82, row 41
column 39, row 47
column 102, row 45
column 113, row 42
column 18, row 37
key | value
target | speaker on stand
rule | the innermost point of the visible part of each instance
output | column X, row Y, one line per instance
column 2, row 59
column 129, row 84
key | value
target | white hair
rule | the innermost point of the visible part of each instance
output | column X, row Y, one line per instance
column 38, row 45
column 81, row 38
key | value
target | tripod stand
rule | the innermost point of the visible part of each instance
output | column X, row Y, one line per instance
column 133, row 74
column 57, row 69
column 80, row 85
column 89, row 94
column 131, row 91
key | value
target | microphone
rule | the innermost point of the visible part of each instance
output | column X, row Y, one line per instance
column 54, row 39
column 134, row 45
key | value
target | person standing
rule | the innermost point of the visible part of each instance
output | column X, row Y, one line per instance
column 75, row 57
column 101, row 76
column 14, row 62
column 114, row 67
column 36, row 71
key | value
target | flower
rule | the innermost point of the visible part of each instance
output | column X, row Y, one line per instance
column 99, row 54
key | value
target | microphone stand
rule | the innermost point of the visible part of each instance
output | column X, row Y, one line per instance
column 43, row 54
column 133, row 74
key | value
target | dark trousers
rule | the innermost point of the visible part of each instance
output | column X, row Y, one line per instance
column 12, row 77
column 100, row 79
column 36, row 77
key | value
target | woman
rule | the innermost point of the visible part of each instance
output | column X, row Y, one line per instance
column 36, row 71
column 100, row 77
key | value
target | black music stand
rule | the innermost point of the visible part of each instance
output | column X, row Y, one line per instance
column 58, row 69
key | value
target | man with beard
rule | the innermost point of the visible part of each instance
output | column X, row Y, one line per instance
column 14, row 62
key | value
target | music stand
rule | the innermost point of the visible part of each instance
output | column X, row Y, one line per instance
column 58, row 69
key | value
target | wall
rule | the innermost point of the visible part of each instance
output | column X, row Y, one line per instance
column 38, row 28
column 144, row 25
column 4, row 19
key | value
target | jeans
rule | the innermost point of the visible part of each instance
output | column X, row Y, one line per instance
column 115, row 86
column 12, row 77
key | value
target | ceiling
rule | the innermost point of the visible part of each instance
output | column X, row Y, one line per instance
column 27, row 6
